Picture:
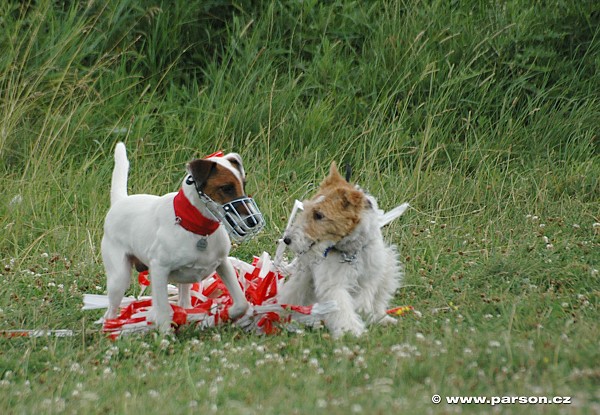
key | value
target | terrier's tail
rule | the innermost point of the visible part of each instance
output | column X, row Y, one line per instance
column 118, row 189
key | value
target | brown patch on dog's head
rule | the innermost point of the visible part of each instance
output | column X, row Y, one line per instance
column 336, row 209
column 216, row 181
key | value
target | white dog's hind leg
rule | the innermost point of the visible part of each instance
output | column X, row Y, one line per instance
column 118, row 278
column 391, row 276
column 240, row 304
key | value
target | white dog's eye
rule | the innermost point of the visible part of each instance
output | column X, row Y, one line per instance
column 317, row 215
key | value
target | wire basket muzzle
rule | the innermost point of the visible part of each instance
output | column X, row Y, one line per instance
column 241, row 217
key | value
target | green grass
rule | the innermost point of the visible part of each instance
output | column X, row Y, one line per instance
column 483, row 115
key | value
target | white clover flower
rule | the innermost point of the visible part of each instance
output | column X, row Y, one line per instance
column 164, row 344
column 356, row 408
column 16, row 200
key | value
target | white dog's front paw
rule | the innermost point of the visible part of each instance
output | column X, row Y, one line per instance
column 340, row 323
column 356, row 331
column 352, row 326
column 164, row 325
column 161, row 319
column 387, row 321
column 237, row 310
column 110, row 314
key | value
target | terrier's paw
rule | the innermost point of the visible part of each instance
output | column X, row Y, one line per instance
column 161, row 319
column 387, row 321
column 238, row 310
column 165, row 326
column 356, row 330
column 110, row 314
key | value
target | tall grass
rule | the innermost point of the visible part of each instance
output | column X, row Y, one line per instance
column 483, row 115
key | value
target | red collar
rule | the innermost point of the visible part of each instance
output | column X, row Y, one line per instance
column 190, row 218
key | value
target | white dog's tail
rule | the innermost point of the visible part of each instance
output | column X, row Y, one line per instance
column 118, row 189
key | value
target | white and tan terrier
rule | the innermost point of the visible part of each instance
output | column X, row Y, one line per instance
column 181, row 237
column 341, row 256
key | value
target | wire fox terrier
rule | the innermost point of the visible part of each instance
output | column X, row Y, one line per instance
column 341, row 256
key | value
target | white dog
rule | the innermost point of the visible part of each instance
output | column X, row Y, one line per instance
column 180, row 237
column 341, row 256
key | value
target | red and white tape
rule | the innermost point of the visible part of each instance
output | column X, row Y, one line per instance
column 211, row 301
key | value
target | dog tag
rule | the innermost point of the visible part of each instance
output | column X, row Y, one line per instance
column 201, row 244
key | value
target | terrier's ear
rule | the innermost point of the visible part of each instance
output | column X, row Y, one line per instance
column 348, row 172
column 201, row 170
column 236, row 161
column 334, row 178
column 333, row 171
column 353, row 199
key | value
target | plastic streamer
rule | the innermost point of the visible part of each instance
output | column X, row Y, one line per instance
column 211, row 301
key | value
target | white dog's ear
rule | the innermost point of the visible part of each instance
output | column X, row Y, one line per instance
column 201, row 169
column 236, row 161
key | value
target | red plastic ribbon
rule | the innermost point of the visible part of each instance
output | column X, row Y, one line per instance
column 211, row 302
column 215, row 154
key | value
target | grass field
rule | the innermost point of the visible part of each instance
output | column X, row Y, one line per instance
column 483, row 115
